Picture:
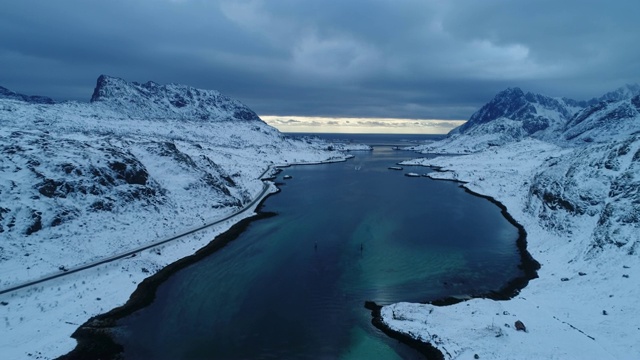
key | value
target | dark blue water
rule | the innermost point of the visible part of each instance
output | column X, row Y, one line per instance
column 293, row 286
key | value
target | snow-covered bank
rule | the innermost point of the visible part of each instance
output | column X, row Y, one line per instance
column 83, row 181
column 580, row 205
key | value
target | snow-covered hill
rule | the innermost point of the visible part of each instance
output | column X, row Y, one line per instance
column 84, row 181
column 576, row 191
column 155, row 101
column 513, row 115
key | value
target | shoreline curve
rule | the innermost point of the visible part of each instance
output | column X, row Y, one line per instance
column 528, row 265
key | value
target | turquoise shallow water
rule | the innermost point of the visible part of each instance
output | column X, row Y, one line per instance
column 293, row 286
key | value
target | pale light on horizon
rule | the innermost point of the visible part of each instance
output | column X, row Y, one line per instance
column 314, row 124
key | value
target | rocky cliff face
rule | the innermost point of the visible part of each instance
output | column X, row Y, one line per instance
column 597, row 184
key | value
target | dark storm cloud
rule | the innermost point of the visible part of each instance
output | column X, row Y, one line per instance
column 412, row 59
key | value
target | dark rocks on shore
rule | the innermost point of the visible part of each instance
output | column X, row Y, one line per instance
column 424, row 348
column 96, row 336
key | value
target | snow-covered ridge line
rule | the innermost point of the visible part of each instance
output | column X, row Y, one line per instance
column 154, row 101
column 513, row 115
column 83, row 181
column 579, row 202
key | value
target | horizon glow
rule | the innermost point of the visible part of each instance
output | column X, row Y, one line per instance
column 341, row 125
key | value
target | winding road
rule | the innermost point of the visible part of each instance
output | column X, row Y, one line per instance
column 265, row 188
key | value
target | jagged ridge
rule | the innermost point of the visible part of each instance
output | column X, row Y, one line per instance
column 152, row 100
column 513, row 115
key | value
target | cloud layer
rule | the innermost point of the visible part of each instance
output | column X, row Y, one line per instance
column 361, row 125
column 384, row 58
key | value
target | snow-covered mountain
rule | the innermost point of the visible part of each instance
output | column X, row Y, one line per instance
column 533, row 113
column 81, row 182
column 155, row 101
column 604, row 121
column 139, row 161
column 513, row 115
column 575, row 187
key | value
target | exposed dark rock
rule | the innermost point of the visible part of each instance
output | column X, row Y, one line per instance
column 520, row 326
column 101, row 205
column 36, row 225
column 132, row 173
column 48, row 187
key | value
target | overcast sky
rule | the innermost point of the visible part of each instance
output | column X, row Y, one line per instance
column 416, row 59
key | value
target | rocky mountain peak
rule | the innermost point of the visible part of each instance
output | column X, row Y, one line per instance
column 168, row 101
column 533, row 112
column 513, row 115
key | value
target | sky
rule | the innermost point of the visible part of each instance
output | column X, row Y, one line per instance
column 303, row 60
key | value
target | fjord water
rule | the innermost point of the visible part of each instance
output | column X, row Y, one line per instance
column 293, row 286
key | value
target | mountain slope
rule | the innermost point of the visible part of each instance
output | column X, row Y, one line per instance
column 79, row 181
column 604, row 121
column 151, row 100
column 513, row 115
column 576, row 191
column 533, row 113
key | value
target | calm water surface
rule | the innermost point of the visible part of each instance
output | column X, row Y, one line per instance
column 293, row 286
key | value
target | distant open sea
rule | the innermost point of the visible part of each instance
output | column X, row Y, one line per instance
column 374, row 139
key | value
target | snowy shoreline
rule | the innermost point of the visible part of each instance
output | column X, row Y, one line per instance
column 578, row 307
column 94, row 336
column 84, row 182
column 67, row 305
column 511, row 289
